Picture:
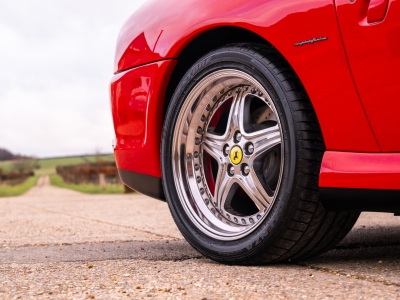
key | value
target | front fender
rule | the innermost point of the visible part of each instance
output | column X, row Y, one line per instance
column 161, row 29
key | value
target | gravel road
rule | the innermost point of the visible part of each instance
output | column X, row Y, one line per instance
column 60, row 244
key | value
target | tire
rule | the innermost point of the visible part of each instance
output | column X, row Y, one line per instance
column 241, row 154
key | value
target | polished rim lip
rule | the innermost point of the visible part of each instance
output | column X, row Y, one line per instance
column 198, row 218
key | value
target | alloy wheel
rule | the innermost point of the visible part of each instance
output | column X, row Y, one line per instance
column 228, row 154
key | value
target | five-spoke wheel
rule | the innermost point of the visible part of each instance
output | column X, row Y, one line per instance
column 231, row 162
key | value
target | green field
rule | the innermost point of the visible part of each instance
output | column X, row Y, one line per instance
column 48, row 165
column 7, row 191
column 56, row 180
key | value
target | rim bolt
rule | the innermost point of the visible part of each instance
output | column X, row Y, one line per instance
column 253, row 90
column 196, row 167
column 199, row 130
column 238, row 137
column 246, row 170
column 231, row 170
column 250, row 148
column 226, row 150
column 197, row 142
column 196, row 154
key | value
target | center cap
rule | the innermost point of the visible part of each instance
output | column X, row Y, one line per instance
column 236, row 155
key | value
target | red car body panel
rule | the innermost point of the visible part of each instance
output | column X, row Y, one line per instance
column 379, row 171
column 151, row 41
column 371, row 35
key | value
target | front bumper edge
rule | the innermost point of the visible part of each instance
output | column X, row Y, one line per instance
column 148, row 185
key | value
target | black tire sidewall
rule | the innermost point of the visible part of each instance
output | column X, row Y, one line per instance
column 257, row 67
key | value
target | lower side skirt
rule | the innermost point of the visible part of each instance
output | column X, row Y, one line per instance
column 360, row 199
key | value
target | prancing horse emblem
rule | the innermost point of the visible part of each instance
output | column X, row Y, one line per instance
column 236, row 155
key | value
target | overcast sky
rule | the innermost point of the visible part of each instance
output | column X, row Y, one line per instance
column 56, row 62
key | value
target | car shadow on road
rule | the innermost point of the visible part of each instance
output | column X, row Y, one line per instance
column 361, row 245
column 150, row 250
column 365, row 245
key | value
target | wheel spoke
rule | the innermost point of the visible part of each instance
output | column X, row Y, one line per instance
column 236, row 115
column 213, row 144
column 254, row 189
column 264, row 139
column 223, row 185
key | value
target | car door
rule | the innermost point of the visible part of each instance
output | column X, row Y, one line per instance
column 371, row 35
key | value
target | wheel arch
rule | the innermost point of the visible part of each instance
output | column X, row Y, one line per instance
column 200, row 45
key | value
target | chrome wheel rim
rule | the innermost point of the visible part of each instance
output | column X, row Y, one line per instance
column 227, row 154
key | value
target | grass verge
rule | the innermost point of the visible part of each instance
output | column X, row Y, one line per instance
column 8, row 191
column 57, row 180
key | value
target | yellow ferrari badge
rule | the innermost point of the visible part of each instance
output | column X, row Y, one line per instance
column 236, row 155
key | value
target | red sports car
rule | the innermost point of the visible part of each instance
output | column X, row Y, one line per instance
column 267, row 125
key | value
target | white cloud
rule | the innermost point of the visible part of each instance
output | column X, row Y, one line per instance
column 56, row 62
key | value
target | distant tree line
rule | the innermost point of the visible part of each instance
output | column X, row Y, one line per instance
column 8, row 155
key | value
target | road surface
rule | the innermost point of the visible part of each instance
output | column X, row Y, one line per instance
column 60, row 244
